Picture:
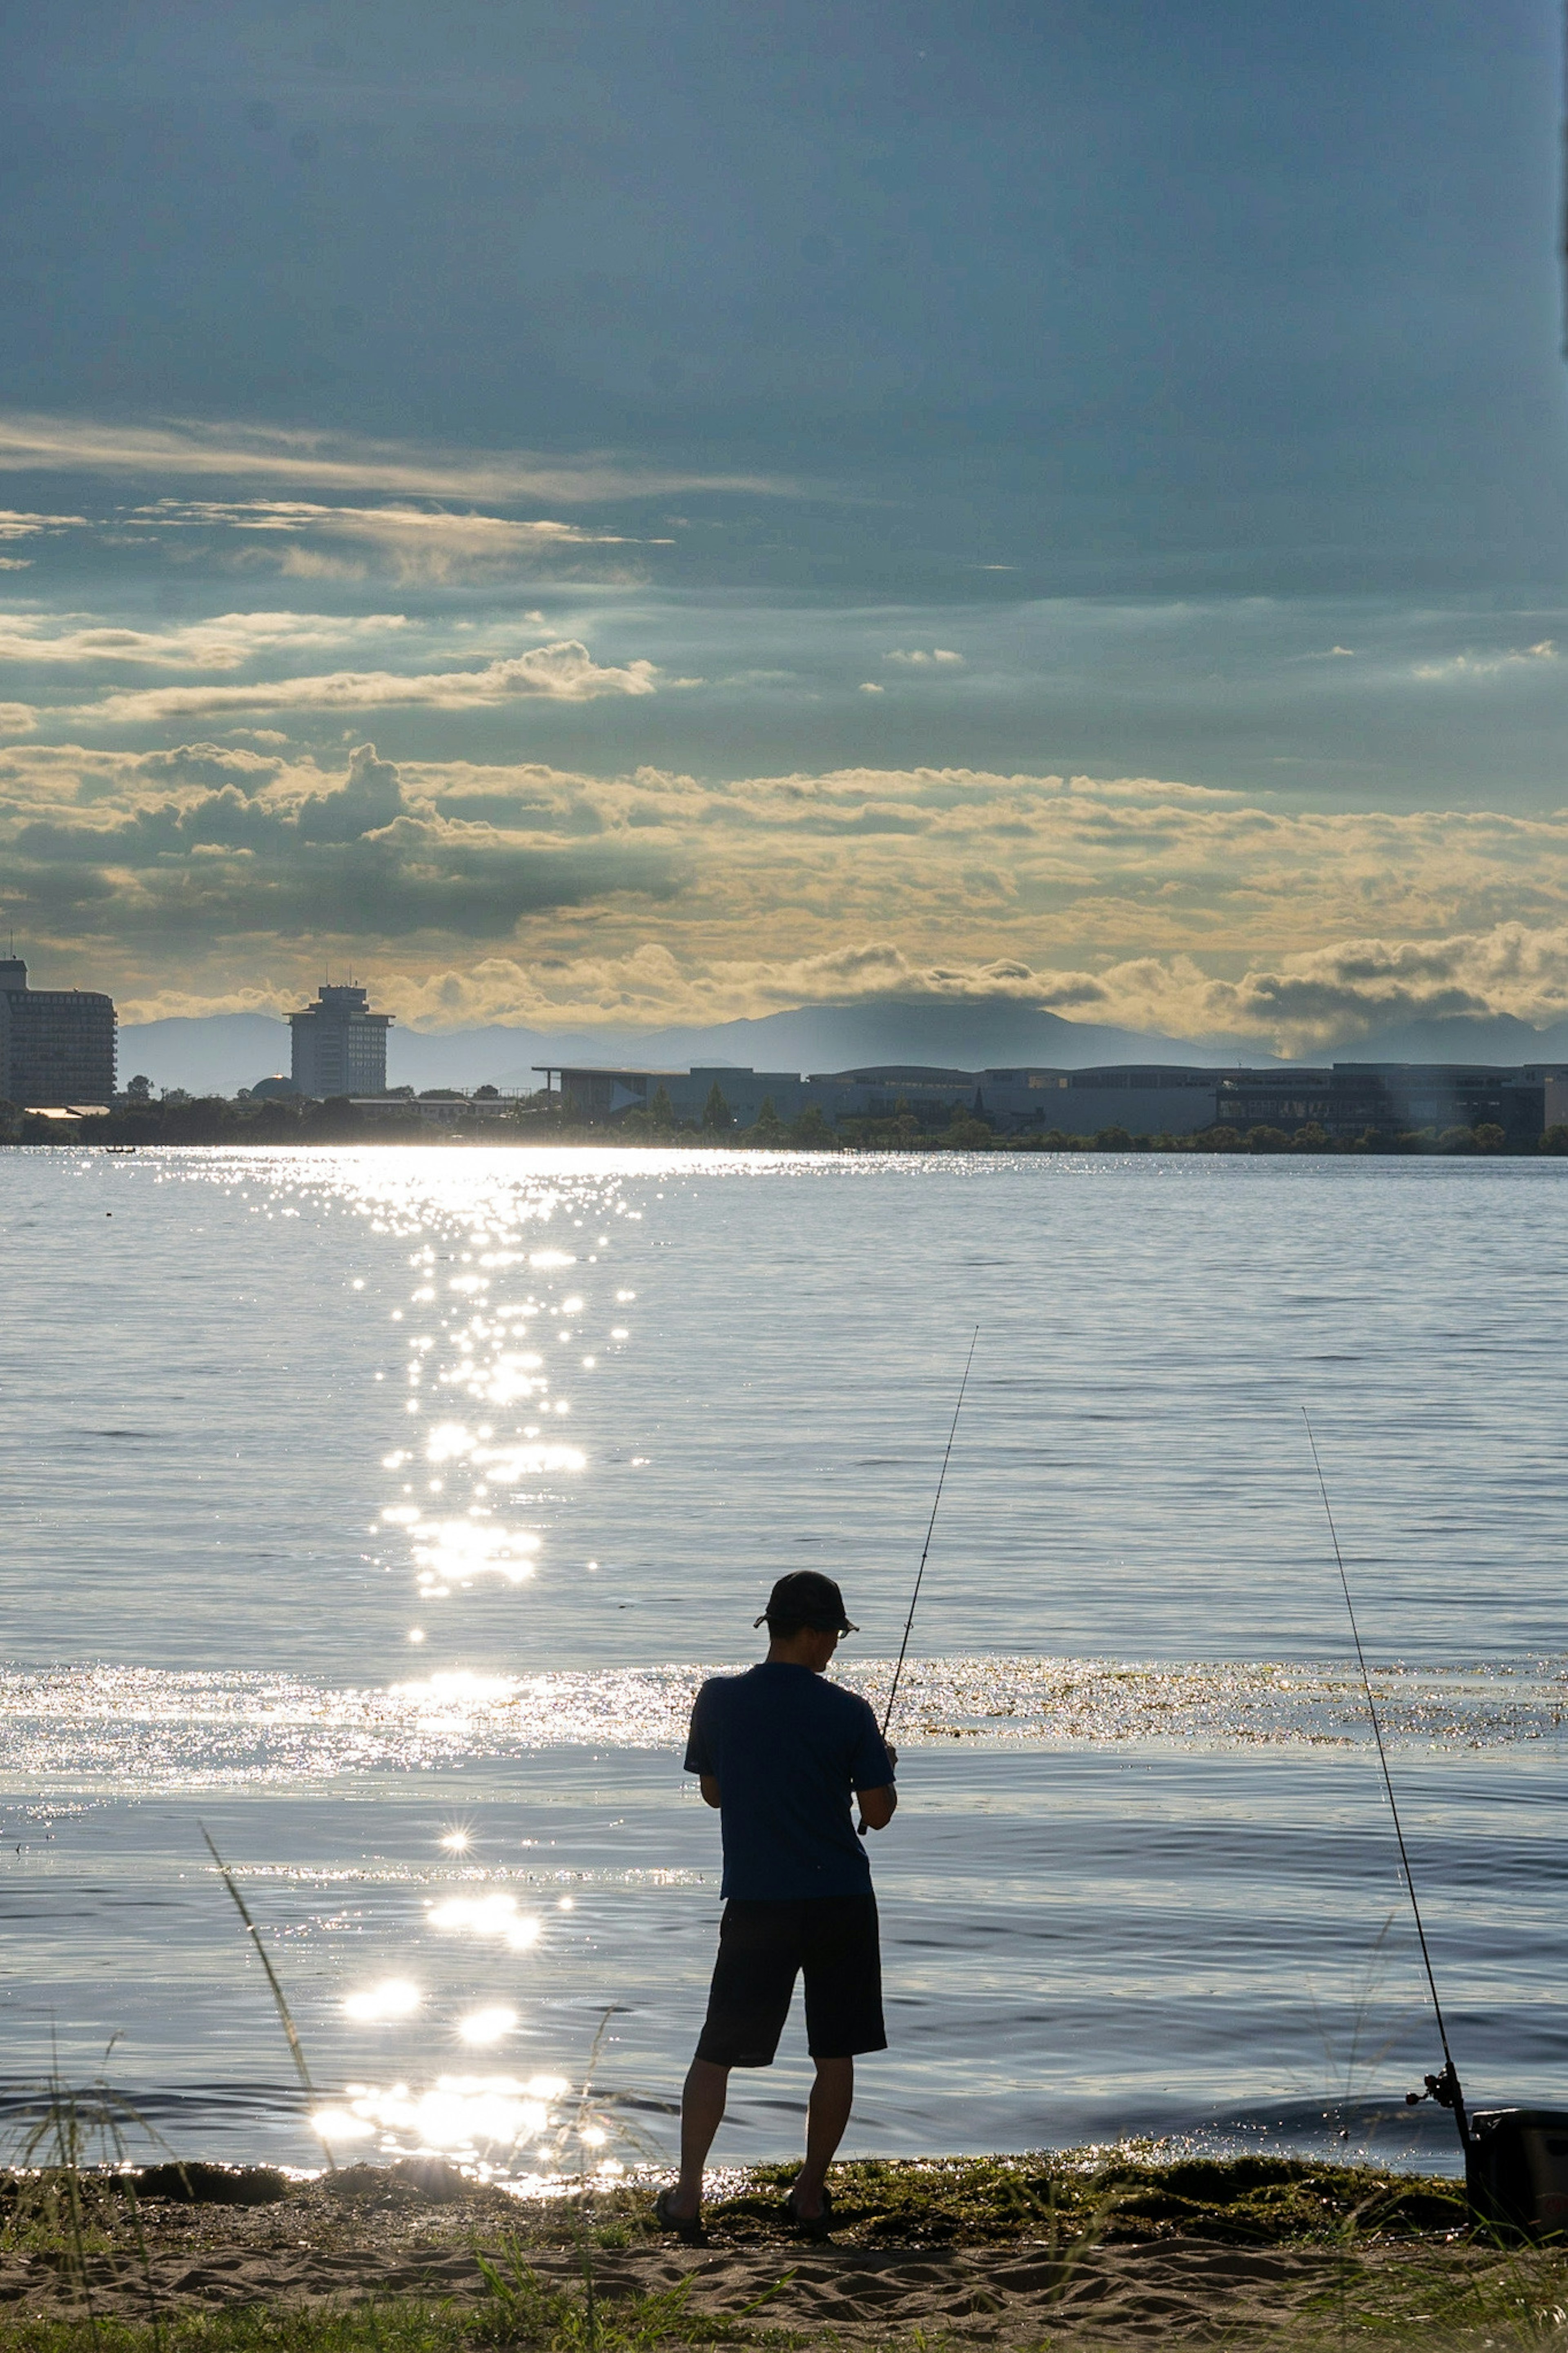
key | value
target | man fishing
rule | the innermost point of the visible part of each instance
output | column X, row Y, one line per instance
column 779, row 1751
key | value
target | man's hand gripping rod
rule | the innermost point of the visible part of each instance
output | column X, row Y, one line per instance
column 931, row 1525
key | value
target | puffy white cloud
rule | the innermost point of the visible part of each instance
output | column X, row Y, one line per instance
column 563, row 672
column 1330, row 995
column 1326, row 997
column 918, row 659
column 526, row 893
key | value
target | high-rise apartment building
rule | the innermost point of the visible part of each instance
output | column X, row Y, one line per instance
column 56, row 1045
column 339, row 1045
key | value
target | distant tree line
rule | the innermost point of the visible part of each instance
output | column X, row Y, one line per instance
column 177, row 1118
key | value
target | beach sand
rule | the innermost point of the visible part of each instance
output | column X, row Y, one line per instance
column 378, row 2234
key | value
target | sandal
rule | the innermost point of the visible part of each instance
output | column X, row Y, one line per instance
column 810, row 2226
column 687, row 2228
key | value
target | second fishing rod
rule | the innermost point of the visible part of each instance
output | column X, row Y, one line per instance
column 1442, row 2087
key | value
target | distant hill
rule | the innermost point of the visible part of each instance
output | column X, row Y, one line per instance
column 228, row 1050
column 222, row 1053
column 213, row 1055
column 960, row 1033
column 1467, row 1038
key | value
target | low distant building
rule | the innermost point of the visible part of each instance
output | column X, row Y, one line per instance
column 1139, row 1098
column 1346, row 1099
column 595, row 1094
column 886, row 1090
column 339, row 1044
column 56, row 1045
column 1387, row 1098
column 437, row 1107
column 1554, row 1081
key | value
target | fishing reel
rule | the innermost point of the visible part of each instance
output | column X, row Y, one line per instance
column 1443, row 2088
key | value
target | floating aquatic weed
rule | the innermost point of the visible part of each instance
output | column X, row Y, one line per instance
column 77, row 1731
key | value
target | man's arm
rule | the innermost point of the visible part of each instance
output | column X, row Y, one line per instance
column 877, row 1807
column 698, row 1753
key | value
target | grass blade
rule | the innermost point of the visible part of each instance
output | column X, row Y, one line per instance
column 279, row 1997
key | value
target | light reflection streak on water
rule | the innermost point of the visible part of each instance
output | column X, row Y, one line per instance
column 394, row 1998
column 466, row 1340
column 484, row 2124
column 495, row 1914
column 471, row 2118
column 142, row 1727
column 492, row 2024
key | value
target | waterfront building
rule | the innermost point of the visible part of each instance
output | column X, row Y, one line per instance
column 1386, row 1099
column 1139, row 1098
column 339, row 1044
column 1346, row 1099
column 437, row 1107
column 592, row 1094
column 56, row 1045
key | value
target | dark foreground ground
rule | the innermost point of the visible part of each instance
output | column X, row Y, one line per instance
column 1012, row 2252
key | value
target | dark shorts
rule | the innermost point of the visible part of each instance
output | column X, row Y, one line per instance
column 763, row 1948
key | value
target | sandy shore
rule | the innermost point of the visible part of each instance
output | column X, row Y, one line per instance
column 378, row 2234
column 1175, row 2288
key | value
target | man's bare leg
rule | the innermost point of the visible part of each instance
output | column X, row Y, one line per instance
column 702, row 2114
column 832, row 2095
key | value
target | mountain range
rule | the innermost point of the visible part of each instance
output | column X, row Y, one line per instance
column 219, row 1054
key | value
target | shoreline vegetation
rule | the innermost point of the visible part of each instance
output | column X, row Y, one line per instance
column 1091, row 2247
column 177, row 1118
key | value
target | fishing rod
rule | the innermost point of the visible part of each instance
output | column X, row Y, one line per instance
column 1445, row 2087
column 936, row 1501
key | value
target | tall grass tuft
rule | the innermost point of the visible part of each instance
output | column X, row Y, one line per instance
column 73, row 2179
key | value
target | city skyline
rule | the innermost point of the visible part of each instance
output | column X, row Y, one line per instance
column 606, row 526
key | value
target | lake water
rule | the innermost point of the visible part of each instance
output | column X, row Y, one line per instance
column 380, row 1510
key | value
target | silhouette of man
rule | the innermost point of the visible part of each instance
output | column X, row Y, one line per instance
column 779, row 1752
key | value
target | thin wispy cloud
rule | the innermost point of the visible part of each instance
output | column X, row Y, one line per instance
column 226, row 642
column 413, row 544
column 253, row 452
column 1459, row 666
column 15, row 525
column 564, row 672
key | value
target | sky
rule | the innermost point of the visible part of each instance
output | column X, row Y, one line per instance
column 616, row 515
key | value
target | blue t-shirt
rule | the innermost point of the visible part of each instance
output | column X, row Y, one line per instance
column 786, row 1748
